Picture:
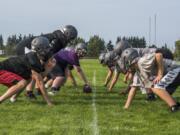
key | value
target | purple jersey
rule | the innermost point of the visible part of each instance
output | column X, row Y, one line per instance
column 65, row 57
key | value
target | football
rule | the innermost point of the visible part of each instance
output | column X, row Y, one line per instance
column 87, row 89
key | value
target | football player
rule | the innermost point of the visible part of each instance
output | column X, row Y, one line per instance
column 160, row 75
column 15, row 72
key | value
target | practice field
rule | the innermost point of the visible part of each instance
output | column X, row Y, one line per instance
column 98, row 113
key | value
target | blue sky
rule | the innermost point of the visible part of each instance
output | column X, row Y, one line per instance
column 106, row 18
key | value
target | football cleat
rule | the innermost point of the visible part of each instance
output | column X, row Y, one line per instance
column 87, row 89
column 30, row 95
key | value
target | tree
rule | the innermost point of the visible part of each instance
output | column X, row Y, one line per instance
column 10, row 45
column 95, row 46
column 153, row 46
column 12, row 41
column 1, row 42
column 118, row 39
column 109, row 46
column 76, row 41
column 136, row 42
column 177, row 49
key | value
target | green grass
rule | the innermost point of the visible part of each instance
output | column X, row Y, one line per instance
column 73, row 113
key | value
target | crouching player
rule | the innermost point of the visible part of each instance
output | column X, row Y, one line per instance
column 160, row 75
column 105, row 59
column 15, row 72
column 63, row 59
column 58, row 40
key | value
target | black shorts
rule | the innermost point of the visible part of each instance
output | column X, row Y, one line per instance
column 58, row 70
column 70, row 67
column 20, row 47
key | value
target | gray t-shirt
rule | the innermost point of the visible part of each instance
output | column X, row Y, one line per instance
column 147, row 68
column 144, row 51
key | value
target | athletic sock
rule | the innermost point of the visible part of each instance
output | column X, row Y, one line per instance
column 55, row 88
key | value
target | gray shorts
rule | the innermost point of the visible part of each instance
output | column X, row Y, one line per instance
column 170, row 81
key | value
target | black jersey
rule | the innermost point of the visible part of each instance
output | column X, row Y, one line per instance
column 56, row 39
column 22, row 65
column 20, row 48
column 59, row 42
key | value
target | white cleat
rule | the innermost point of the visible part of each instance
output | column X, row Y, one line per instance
column 12, row 99
column 52, row 93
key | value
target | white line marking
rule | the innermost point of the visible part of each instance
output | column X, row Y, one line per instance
column 95, row 118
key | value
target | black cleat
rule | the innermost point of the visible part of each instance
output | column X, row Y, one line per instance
column 150, row 97
column 30, row 95
column 174, row 108
column 178, row 104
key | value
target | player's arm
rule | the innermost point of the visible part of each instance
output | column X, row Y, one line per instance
column 114, row 80
column 160, row 67
column 81, row 74
column 108, row 77
column 49, row 66
column 39, row 80
column 126, row 76
column 131, row 95
column 71, row 77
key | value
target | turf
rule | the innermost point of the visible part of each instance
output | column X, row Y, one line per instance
column 77, row 113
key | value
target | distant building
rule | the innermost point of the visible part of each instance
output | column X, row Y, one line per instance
column 1, row 52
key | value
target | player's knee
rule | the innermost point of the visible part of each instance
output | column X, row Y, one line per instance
column 22, row 84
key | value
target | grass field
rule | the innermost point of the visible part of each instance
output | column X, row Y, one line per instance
column 98, row 113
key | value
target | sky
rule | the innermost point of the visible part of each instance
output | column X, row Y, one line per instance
column 106, row 18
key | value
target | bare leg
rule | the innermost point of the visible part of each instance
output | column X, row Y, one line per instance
column 108, row 77
column 71, row 77
column 131, row 95
column 58, row 81
column 30, row 86
column 48, row 83
column 113, row 82
column 13, row 90
column 164, row 95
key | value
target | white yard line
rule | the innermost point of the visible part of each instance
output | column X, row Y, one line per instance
column 95, row 117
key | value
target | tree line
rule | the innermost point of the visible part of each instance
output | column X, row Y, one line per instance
column 95, row 44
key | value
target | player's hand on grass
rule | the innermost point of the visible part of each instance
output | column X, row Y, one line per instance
column 50, row 104
column 105, row 85
column 126, row 107
column 157, row 79
column 125, row 80
column 109, row 89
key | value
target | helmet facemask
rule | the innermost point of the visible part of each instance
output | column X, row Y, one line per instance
column 45, row 54
column 130, row 59
column 41, row 46
column 81, row 52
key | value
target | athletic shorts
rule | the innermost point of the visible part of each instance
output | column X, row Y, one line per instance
column 8, row 78
column 58, row 70
column 70, row 67
column 136, row 81
column 170, row 81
